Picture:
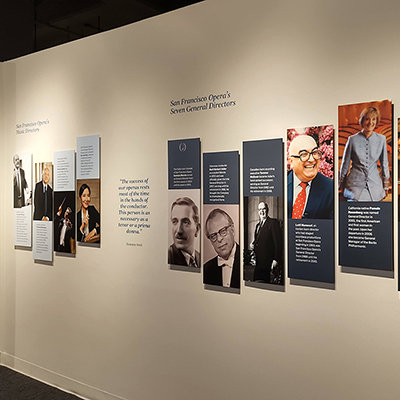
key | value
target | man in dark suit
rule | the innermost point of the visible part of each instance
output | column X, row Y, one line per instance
column 267, row 245
column 310, row 194
column 43, row 198
column 224, row 269
column 20, row 184
column 185, row 222
column 65, row 232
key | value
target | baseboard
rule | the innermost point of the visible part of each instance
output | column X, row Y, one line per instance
column 56, row 380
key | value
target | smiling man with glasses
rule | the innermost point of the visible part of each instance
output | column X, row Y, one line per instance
column 224, row 269
column 310, row 194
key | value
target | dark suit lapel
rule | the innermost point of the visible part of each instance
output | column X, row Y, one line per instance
column 314, row 198
column 290, row 193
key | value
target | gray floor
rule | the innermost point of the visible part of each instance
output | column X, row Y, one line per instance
column 15, row 386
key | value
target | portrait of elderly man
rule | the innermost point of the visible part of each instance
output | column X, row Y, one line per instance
column 43, row 200
column 224, row 268
column 185, row 222
column 20, row 183
column 363, row 151
column 310, row 193
column 267, row 245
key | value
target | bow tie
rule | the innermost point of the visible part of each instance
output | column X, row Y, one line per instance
column 223, row 263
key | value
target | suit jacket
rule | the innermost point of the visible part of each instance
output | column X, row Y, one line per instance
column 364, row 155
column 213, row 273
column 39, row 202
column 175, row 257
column 320, row 199
column 69, row 234
column 94, row 219
column 268, row 246
column 19, row 195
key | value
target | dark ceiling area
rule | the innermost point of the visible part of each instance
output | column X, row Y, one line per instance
column 27, row 26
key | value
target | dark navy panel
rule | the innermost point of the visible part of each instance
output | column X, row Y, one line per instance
column 365, row 235
column 311, row 252
column 263, row 168
column 184, row 164
column 221, row 177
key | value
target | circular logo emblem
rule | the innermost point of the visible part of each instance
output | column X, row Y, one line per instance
column 182, row 147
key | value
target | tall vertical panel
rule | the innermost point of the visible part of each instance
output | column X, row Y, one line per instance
column 22, row 199
column 88, row 184
column 310, row 202
column 64, row 203
column 221, row 220
column 43, row 212
column 184, row 175
column 365, row 185
column 263, row 212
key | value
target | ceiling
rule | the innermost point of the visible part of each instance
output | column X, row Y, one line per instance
column 27, row 26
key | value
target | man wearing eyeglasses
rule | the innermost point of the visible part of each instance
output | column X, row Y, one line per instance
column 310, row 194
column 224, row 269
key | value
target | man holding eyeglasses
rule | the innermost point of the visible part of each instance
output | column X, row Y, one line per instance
column 224, row 269
column 310, row 194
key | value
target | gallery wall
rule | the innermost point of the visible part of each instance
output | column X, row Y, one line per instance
column 116, row 322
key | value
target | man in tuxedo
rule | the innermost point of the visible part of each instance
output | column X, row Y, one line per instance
column 224, row 269
column 310, row 194
column 20, row 184
column 267, row 245
column 185, row 222
column 65, row 231
column 43, row 198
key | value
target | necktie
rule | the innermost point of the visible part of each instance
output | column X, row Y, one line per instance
column 299, row 204
column 19, row 183
column 45, row 200
column 192, row 262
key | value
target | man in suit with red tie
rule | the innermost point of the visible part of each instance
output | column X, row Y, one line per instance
column 267, row 245
column 310, row 194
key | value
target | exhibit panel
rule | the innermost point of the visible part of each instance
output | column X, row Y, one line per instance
column 184, row 177
column 22, row 199
column 365, row 185
column 221, row 215
column 310, row 203
column 115, row 322
column 43, row 212
column 263, row 254
column 64, row 203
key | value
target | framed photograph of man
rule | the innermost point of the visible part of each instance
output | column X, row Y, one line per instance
column 221, row 245
column 43, row 194
column 184, row 229
column 64, row 219
column 310, row 172
column 263, row 235
column 22, row 176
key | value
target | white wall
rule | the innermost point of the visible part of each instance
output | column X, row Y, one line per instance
column 116, row 320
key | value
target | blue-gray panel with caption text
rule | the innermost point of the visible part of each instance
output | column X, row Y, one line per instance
column 184, row 164
column 263, row 168
column 311, row 252
column 221, row 177
column 365, row 235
